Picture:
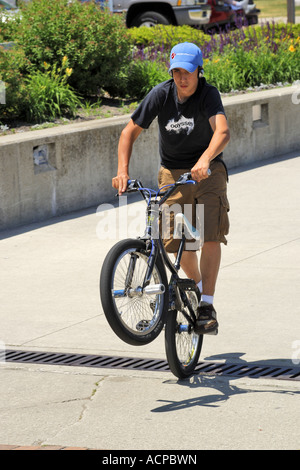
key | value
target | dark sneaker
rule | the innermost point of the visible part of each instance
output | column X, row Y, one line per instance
column 206, row 323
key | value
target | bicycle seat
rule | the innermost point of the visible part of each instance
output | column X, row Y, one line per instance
column 181, row 222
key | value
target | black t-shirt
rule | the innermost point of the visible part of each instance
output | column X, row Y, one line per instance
column 184, row 129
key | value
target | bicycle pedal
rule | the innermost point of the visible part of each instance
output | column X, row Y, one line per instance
column 186, row 284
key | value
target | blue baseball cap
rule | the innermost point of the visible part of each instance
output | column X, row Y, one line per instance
column 186, row 56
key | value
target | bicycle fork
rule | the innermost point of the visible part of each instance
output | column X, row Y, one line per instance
column 145, row 287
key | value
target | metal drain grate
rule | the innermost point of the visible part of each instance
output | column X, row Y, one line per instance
column 251, row 370
column 132, row 363
column 83, row 360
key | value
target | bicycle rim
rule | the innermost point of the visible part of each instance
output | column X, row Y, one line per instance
column 135, row 314
column 138, row 313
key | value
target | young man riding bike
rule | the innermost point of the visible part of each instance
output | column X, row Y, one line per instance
column 193, row 132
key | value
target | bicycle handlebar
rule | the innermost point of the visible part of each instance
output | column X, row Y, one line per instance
column 185, row 178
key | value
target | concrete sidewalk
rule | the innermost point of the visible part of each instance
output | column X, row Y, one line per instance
column 50, row 302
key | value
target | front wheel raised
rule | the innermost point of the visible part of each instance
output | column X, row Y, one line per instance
column 135, row 314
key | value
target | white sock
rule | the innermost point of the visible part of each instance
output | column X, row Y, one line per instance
column 207, row 298
column 200, row 286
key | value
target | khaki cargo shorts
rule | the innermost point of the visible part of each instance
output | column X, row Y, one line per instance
column 204, row 204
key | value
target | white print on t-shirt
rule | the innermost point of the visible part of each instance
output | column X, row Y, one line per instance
column 184, row 125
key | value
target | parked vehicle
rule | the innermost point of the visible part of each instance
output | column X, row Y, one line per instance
column 204, row 14
column 223, row 14
column 153, row 12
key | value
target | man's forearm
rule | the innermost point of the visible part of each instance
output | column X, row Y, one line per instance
column 124, row 154
column 217, row 144
column 128, row 136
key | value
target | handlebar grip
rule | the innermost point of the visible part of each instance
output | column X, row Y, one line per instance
column 189, row 174
column 128, row 189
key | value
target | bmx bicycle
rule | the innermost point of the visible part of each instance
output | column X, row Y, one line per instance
column 137, row 297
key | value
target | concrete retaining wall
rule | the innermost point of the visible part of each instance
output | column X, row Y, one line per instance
column 54, row 171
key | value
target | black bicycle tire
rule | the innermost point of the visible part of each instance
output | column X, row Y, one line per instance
column 175, row 365
column 108, row 305
column 150, row 16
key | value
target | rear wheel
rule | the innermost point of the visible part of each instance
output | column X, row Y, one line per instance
column 136, row 315
column 183, row 345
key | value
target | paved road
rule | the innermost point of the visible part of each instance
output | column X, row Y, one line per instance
column 49, row 302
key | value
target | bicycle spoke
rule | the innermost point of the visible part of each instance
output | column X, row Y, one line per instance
column 137, row 311
column 186, row 340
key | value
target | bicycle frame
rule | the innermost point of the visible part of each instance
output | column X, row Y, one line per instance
column 177, row 286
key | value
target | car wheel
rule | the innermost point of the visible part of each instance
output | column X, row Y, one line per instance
column 149, row 18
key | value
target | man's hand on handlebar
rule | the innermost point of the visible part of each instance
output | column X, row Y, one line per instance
column 119, row 182
column 201, row 170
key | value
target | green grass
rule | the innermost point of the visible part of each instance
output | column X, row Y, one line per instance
column 274, row 8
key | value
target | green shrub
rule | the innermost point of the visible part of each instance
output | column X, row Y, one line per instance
column 13, row 67
column 49, row 95
column 273, row 30
column 167, row 36
column 239, row 68
column 239, row 59
column 138, row 78
column 94, row 41
column 8, row 25
column 224, row 74
column 143, row 76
